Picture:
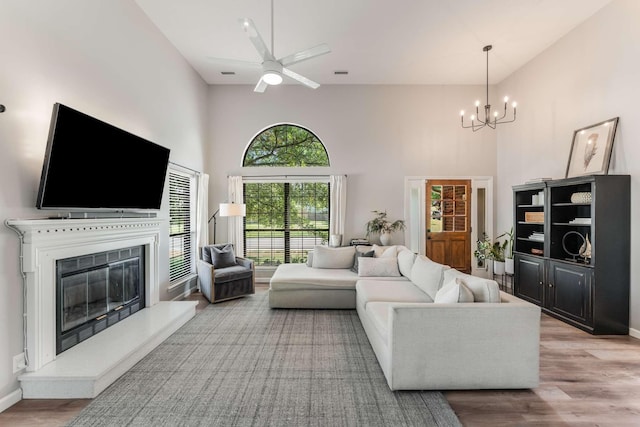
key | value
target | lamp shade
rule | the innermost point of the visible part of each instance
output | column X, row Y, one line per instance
column 233, row 209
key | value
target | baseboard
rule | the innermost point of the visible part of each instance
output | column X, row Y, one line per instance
column 635, row 333
column 10, row 400
column 185, row 294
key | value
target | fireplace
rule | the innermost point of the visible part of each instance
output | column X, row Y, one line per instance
column 96, row 291
column 47, row 241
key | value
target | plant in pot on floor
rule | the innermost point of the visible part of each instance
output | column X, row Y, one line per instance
column 496, row 253
column 384, row 227
column 508, row 254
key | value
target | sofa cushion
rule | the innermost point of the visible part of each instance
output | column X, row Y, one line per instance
column 359, row 254
column 326, row 257
column 453, row 292
column 378, row 267
column 427, row 275
column 310, row 259
column 392, row 291
column 220, row 256
column 484, row 290
column 406, row 258
column 233, row 273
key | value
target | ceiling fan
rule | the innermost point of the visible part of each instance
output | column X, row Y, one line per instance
column 273, row 69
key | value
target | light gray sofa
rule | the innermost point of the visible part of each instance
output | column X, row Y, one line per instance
column 422, row 339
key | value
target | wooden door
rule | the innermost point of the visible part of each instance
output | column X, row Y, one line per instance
column 449, row 223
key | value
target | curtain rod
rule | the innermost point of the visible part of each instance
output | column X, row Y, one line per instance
column 185, row 167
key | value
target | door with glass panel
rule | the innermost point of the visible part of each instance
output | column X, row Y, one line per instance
column 448, row 223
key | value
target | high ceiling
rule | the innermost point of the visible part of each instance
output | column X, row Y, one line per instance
column 376, row 41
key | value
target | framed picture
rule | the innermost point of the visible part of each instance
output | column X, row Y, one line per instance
column 591, row 149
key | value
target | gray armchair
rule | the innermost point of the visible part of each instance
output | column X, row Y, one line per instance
column 224, row 276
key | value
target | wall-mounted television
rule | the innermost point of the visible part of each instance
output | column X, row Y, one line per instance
column 92, row 165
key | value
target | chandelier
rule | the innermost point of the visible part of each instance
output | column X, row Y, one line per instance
column 491, row 120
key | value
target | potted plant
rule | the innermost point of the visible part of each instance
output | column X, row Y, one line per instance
column 384, row 227
column 483, row 247
column 508, row 256
column 496, row 254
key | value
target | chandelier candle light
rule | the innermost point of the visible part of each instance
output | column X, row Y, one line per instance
column 492, row 122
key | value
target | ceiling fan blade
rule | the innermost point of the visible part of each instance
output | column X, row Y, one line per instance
column 305, row 81
column 303, row 55
column 261, row 86
column 234, row 62
column 249, row 27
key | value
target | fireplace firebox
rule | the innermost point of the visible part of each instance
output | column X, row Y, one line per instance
column 96, row 291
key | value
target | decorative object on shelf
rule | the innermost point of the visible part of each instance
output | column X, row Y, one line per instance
column 581, row 197
column 534, row 217
column 537, row 236
column 359, row 241
column 591, row 149
column 536, row 251
column 585, row 249
column 488, row 120
column 581, row 221
column 534, row 200
column 569, row 239
column 384, row 227
column 541, row 198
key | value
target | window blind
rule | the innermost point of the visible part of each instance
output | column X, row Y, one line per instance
column 180, row 227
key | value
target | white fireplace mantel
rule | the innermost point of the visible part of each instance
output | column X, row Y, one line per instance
column 44, row 241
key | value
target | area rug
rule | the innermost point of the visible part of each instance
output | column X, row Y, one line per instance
column 239, row 363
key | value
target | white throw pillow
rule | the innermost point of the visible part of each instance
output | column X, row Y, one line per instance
column 380, row 251
column 406, row 258
column 378, row 267
column 427, row 275
column 310, row 259
column 326, row 257
column 484, row 290
column 453, row 292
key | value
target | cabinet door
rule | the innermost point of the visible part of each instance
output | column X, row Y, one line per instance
column 529, row 278
column 569, row 291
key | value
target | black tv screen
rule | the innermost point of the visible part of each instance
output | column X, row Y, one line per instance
column 90, row 164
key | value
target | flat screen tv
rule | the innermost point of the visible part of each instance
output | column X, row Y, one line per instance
column 92, row 165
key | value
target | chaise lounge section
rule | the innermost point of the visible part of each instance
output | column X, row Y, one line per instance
column 430, row 326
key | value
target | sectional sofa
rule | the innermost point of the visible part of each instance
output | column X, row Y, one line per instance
column 430, row 326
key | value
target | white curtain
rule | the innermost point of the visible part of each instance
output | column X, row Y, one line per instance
column 338, row 203
column 236, row 195
column 202, row 212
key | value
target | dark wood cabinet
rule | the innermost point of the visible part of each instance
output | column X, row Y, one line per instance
column 529, row 274
column 569, row 291
column 572, row 250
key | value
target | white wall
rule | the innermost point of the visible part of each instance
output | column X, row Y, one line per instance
column 588, row 76
column 376, row 135
column 104, row 58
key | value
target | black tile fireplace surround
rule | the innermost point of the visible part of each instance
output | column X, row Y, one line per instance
column 96, row 291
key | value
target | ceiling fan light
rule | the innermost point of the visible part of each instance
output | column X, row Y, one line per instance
column 272, row 78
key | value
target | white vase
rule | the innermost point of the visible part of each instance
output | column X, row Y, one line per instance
column 385, row 239
column 498, row 267
column 508, row 266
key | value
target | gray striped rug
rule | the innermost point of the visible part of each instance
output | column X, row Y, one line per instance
column 239, row 363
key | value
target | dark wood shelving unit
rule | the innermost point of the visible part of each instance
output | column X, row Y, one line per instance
column 591, row 293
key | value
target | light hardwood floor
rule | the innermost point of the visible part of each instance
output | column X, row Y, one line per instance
column 585, row 380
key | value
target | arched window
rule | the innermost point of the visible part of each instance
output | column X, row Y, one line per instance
column 286, row 217
column 286, row 145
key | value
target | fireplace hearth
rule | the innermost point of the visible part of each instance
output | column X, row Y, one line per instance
column 95, row 291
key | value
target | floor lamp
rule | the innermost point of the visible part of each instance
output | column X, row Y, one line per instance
column 227, row 209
